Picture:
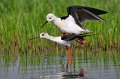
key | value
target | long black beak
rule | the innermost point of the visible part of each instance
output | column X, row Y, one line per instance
column 43, row 24
column 35, row 37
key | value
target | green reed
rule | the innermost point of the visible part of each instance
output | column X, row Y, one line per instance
column 21, row 20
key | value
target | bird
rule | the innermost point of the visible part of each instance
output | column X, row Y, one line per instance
column 73, row 22
column 64, row 40
column 55, row 39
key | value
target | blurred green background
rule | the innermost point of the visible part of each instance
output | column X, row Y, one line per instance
column 20, row 20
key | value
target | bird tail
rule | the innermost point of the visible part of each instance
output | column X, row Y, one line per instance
column 86, row 30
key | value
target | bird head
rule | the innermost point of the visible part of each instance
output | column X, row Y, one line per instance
column 50, row 17
column 44, row 35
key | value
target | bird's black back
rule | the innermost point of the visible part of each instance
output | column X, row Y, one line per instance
column 70, row 37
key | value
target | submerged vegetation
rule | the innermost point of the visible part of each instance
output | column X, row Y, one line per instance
column 20, row 20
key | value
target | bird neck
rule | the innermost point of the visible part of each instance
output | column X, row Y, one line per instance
column 50, row 37
column 54, row 39
column 58, row 22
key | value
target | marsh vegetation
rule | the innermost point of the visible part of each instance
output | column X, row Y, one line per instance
column 21, row 20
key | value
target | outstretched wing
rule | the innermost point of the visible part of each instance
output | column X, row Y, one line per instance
column 81, row 13
column 93, row 10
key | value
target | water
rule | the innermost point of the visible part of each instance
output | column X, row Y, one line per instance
column 53, row 65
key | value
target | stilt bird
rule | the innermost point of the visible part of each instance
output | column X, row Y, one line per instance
column 73, row 22
column 64, row 40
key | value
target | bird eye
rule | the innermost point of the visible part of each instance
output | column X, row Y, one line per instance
column 42, row 34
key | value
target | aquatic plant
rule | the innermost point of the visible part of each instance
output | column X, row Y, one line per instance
column 21, row 20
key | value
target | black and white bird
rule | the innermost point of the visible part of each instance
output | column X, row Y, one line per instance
column 57, row 39
column 73, row 22
column 63, row 40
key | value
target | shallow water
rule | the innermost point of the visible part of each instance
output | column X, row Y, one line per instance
column 53, row 65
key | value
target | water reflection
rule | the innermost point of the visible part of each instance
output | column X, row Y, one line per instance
column 99, row 65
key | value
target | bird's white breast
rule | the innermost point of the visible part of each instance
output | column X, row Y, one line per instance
column 68, row 25
column 58, row 40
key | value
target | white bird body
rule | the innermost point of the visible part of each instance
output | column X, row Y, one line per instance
column 73, row 22
column 58, row 40
column 55, row 39
column 68, row 25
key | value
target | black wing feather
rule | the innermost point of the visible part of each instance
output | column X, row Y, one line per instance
column 63, row 17
column 93, row 10
column 70, row 37
column 81, row 13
